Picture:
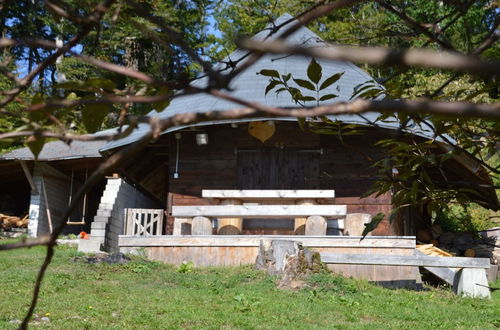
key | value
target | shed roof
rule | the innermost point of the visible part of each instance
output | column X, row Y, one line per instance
column 251, row 86
column 58, row 150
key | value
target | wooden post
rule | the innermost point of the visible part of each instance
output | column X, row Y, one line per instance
column 315, row 226
column 182, row 226
column 201, row 226
column 230, row 226
column 354, row 224
column 300, row 223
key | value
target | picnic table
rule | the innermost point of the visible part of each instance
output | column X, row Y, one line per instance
column 309, row 208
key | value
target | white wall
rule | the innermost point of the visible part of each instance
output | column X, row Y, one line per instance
column 57, row 191
column 109, row 222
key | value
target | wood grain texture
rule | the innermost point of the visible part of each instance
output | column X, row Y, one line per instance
column 260, row 211
column 397, row 260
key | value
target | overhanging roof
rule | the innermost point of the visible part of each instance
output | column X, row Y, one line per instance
column 58, row 150
column 251, row 86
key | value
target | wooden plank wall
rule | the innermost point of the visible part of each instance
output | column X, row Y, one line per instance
column 241, row 250
column 343, row 166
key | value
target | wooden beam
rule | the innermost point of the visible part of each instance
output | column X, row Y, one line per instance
column 269, row 194
column 260, row 211
column 415, row 260
column 27, row 173
column 404, row 242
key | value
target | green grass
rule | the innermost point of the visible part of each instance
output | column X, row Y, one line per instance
column 145, row 294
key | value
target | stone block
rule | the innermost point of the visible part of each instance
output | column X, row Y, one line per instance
column 89, row 246
column 472, row 282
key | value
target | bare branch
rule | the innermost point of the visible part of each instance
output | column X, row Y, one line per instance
column 383, row 56
column 417, row 26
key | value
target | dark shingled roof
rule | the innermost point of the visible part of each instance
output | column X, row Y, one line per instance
column 251, row 86
column 58, row 150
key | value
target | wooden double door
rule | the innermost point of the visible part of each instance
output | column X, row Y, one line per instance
column 278, row 168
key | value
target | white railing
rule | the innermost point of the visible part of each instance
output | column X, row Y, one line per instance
column 144, row 222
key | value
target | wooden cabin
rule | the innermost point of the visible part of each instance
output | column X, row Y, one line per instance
column 190, row 170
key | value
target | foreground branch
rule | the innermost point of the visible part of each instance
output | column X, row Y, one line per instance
column 425, row 58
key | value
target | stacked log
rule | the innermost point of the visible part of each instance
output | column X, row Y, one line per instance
column 9, row 221
column 462, row 243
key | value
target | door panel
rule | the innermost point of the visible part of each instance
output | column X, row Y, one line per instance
column 271, row 168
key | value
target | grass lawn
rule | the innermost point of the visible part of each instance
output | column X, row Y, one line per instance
column 145, row 294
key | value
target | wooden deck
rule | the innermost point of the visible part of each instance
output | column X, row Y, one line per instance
column 242, row 250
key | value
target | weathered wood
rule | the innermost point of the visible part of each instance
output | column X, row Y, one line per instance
column 299, row 227
column 446, row 274
column 47, row 207
column 201, row 226
column 29, row 177
column 354, row 223
column 269, row 194
column 386, row 242
column 395, row 260
column 315, row 226
column 230, row 226
column 260, row 211
column 472, row 282
column 182, row 226
column 143, row 221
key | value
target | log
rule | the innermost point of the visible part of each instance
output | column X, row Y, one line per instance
column 299, row 227
column 289, row 260
column 230, row 226
column 201, row 226
column 315, row 226
column 355, row 223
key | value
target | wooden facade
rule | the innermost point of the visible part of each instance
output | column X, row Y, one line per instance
column 290, row 159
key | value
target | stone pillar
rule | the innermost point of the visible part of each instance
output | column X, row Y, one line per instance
column 300, row 223
column 354, row 224
column 201, row 226
column 230, row 226
column 315, row 226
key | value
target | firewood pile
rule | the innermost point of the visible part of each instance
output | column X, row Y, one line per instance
column 486, row 245
column 7, row 222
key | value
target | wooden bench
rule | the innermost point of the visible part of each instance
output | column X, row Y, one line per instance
column 316, row 215
column 469, row 280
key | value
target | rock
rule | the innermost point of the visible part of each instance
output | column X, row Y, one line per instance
column 446, row 238
column 45, row 319
column 114, row 258
column 15, row 321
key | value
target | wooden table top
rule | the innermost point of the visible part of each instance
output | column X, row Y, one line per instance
column 269, row 194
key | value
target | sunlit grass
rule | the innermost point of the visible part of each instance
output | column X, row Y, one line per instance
column 144, row 294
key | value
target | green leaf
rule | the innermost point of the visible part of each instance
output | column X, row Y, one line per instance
column 272, row 84
column 93, row 116
column 36, row 116
column 369, row 227
column 35, row 144
column 103, row 83
column 160, row 106
column 328, row 97
column 305, row 84
column 314, row 71
column 306, row 98
column 270, row 73
column 334, row 78
column 286, row 77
